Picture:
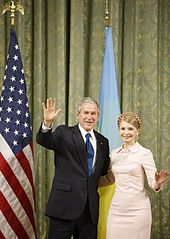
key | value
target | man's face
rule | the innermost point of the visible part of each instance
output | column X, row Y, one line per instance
column 88, row 116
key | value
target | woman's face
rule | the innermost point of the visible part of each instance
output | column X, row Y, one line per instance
column 128, row 133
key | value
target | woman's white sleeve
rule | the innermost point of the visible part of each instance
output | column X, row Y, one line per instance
column 149, row 166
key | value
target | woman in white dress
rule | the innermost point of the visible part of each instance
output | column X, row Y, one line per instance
column 129, row 215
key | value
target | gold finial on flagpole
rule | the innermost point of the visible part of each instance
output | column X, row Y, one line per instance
column 10, row 6
column 107, row 18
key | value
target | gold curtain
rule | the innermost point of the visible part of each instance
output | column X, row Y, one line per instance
column 62, row 45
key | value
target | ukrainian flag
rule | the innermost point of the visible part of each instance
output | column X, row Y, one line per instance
column 109, row 112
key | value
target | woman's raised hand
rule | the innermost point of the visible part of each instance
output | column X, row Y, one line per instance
column 50, row 111
column 161, row 177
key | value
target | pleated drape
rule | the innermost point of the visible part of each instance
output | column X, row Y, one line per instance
column 62, row 46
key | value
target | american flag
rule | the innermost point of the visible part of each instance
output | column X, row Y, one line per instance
column 17, row 198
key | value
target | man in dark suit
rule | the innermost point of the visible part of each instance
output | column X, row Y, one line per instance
column 73, row 203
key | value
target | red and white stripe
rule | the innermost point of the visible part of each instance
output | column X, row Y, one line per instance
column 17, row 199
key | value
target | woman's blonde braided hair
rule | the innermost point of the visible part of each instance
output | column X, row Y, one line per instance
column 131, row 118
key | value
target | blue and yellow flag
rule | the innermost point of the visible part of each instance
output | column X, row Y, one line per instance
column 109, row 112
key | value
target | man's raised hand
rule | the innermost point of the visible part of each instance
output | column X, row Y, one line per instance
column 50, row 111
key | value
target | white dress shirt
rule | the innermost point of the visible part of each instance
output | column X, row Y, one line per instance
column 92, row 140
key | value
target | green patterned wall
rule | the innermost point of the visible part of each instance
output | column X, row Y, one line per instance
column 62, row 45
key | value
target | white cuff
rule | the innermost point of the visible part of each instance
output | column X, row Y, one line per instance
column 46, row 128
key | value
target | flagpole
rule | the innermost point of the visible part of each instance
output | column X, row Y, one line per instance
column 17, row 194
column 109, row 112
column 107, row 18
column 10, row 6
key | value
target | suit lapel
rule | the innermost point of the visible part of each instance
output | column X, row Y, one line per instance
column 80, row 147
column 98, row 150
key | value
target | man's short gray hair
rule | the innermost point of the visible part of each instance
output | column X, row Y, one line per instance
column 87, row 100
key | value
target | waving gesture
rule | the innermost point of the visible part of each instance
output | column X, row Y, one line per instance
column 161, row 177
column 50, row 112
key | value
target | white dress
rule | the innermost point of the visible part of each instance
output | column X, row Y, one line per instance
column 129, row 215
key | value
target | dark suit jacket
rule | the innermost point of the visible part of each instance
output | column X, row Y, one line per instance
column 71, row 184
